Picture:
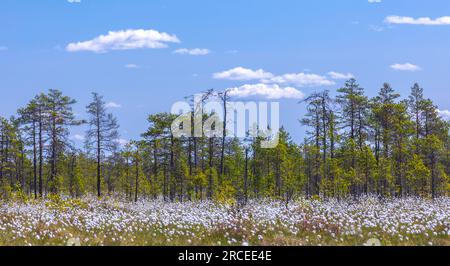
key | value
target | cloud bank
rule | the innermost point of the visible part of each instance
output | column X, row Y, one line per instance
column 418, row 21
column 268, row 91
column 406, row 67
column 195, row 52
column 125, row 40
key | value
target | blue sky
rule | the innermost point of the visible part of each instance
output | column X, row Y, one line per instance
column 272, row 49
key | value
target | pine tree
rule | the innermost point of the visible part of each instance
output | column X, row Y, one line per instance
column 102, row 134
column 60, row 118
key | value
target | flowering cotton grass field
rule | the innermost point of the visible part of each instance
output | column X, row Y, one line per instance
column 411, row 221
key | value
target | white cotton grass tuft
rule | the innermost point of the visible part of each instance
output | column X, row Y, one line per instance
column 314, row 222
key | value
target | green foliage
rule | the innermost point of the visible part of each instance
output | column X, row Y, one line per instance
column 418, row 176
column 226, row 194
column 354, row 146
column 56, row 202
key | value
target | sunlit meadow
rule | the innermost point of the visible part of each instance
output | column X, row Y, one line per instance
column 91, row 222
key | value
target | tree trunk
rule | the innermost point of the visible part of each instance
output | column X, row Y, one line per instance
column 137, row 180
column 246, row 177
column 34, row 160
column 41, row 154
column 99, row 189
column 155, row 167
column 210, row 183
column 224, row 133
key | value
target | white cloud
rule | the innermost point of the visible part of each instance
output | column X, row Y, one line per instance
column 131, row 66
column 78, row 137
column 406, row 67
column 444, row 114
column 418, row 21
column 240, row 73
column 113, row 105
column 374, row 1
column 337, row 75
column 196, row 51
column 301, row 80
column 122, row 142
column 268, row 91
column 74, row 1
column 232, row 52
column 125, row 40
column 376, row 28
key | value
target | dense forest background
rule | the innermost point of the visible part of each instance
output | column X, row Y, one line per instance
column 354, row 146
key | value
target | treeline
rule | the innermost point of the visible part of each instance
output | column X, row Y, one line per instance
column 354, row 146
